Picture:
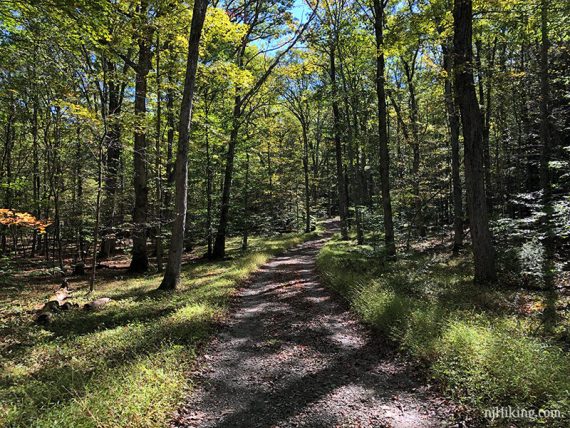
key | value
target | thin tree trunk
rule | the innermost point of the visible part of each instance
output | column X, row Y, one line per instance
column 6, row 165
column 97, row 219
column 219, row 251
column 158, row 171
column 545, row 133
column 56, row 187
column 341, row 187
column 47, row 172
column 169, row 150
column 79, row 197
column 113, row 145
column 172, row 272
column 244, row 244
column 315, row 160
column 454, row 129
column 139, row 261
column 383, row 130
column 414, row 113
column 306, row 173
column 35, row 174
column 209, row 180
column 270, row 177
column 550, row 314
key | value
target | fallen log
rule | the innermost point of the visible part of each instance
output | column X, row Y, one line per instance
column 56, row 303
column 45, row 314
column 68, row 306
column 51, row 306
column 60, row 296
column 96, row 304
column 44, row 318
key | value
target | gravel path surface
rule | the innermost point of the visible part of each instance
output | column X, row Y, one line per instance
column 292, row 355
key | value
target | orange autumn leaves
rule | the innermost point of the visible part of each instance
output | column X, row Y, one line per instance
column 11, row 218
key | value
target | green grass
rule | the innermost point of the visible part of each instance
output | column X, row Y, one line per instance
column 483, row 345
column 123, row 366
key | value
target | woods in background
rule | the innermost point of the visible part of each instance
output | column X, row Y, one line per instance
column 411, row 120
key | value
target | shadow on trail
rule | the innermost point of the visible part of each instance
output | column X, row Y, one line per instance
column 292, row 355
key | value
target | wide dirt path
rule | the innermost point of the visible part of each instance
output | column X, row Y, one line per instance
column 292, row 356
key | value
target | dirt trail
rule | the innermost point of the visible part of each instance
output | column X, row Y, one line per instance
column 292, row 356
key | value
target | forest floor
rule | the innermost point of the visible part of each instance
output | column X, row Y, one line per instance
column 493, row 346
column 127, row 364
column 291, row 354
column 384, row 347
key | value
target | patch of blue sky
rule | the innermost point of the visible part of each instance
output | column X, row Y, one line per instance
column 301, row 12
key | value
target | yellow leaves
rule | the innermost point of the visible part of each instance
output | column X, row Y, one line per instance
column 11, row 218
column 299, row 70
column 531, row 307
column 517, row 74
column 227, row 73
column 218, row 29
column 430, row 63
column 80, row 112
column 180, row 40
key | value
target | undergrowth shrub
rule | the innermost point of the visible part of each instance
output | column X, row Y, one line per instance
column 477, row 350
column 531, row 259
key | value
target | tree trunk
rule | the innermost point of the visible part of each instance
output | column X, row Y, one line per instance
column 139, row 261
column 219, row 251
column 306, row 173
column 414, row 113
column 383, row 130
column 550, row 314
column 172, row 272
column 483, row 251
column 35, row 174
column 244, row 243
column 454, row 129
column 114, row 149
column 57, row 179
column 341, row 187
column 170, row 121
column 79, row 198
column 545, row 132
column 6, row 164
column 157, row 165
column 97, row 219
column 485, row 96
column 209, row 181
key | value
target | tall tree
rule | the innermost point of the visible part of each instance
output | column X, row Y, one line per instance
column 454, row 130
column 257, row 15
column 545, row 127
column 454, row 127
column 378, row 12
column 172, row 271
column 297, row 100
column 113, row 97
column 483, row 250
column 144, row 36
column 337, row 135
